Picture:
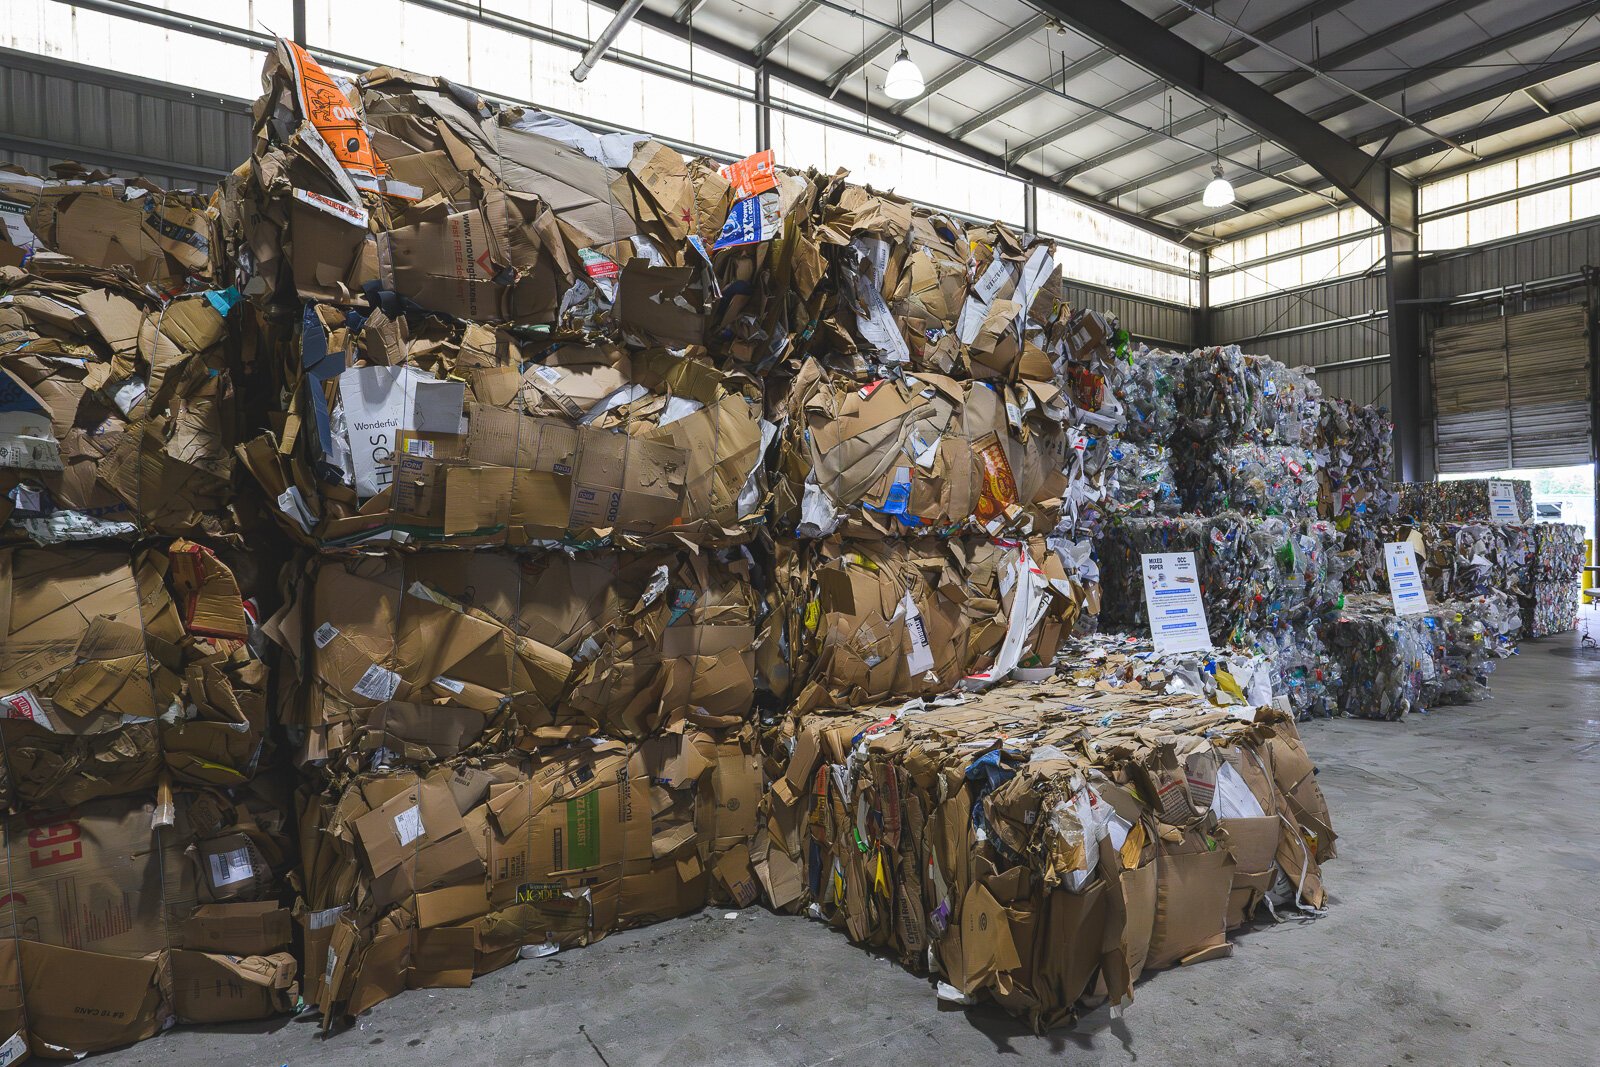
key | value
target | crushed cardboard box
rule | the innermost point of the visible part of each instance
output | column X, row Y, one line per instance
column 425, row 879
column 134, row 912
column 119, row 666
column 119, row 414
column 415, row 658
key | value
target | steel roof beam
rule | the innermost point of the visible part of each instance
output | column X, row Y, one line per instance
column 1554, row 107
column 1099, row 57
column 1463, row 57
column 1334, row 60
column 786, row 28
column 1169, row 57
column 1227, row 53
column 985, row 52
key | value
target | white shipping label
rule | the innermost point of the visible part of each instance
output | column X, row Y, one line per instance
column 378, row 683
column 878, row 328
column 919, row 657
column 293, row 504
column 228, row 868
column 15, row 1050
column 549, row 374
column 875, row 253
column 416, row 446
column 128, row 395
column 449, row 683
column 408, row 825
column 1405, row 578
column 324, row 634
column 1172, row 599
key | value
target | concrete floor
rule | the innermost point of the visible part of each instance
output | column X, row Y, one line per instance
column 1463, row 930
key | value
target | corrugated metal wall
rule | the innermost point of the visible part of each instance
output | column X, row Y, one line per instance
column 1337, row 323
column 52, row 111
column 1304, row 326
column 1160, row 325
column 1552, row 254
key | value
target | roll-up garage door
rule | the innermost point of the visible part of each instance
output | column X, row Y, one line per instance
column 1513, row 392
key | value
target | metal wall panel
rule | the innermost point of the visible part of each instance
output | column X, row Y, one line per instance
column 51, row 111
column 1549, row 254
column 1344, row 323
column 1147, row 320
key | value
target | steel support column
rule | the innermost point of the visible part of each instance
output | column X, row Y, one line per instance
column 763, row 109
column 1202, row 307
column 1407, row 390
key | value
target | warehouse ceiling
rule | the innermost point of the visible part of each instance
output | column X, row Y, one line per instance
column 1430, row 86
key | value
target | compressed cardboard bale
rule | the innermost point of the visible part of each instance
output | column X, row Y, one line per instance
column 121, row 412
column 119, row 665
column 162, row 239
column 91, row 936
column 415, row 658
column 409, row 185
column 860, row 622
column 924, row 454
column 409, row 428
column 1000, row 841
column 918, row 290
column 429, row 879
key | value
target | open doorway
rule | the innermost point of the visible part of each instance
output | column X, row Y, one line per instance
column 1560, row 494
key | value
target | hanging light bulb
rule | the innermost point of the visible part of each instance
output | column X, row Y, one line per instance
column 1219, row 191
column 905, row 78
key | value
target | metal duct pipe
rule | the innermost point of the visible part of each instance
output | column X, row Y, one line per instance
column 607, row 36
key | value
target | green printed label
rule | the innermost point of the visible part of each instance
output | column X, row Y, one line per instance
column 583, row 831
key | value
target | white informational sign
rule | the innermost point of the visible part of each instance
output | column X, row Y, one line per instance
column 1503, row 501
column 1172, row 597
column 1405, row 579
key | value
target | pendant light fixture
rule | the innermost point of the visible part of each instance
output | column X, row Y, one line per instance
column 904, row 81
column 1219, row 191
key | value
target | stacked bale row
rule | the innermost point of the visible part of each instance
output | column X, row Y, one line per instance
column 150, row 834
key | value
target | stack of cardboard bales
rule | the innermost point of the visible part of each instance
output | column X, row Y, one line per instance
column 520, row 640
column 584, row 452
column 148, row 836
